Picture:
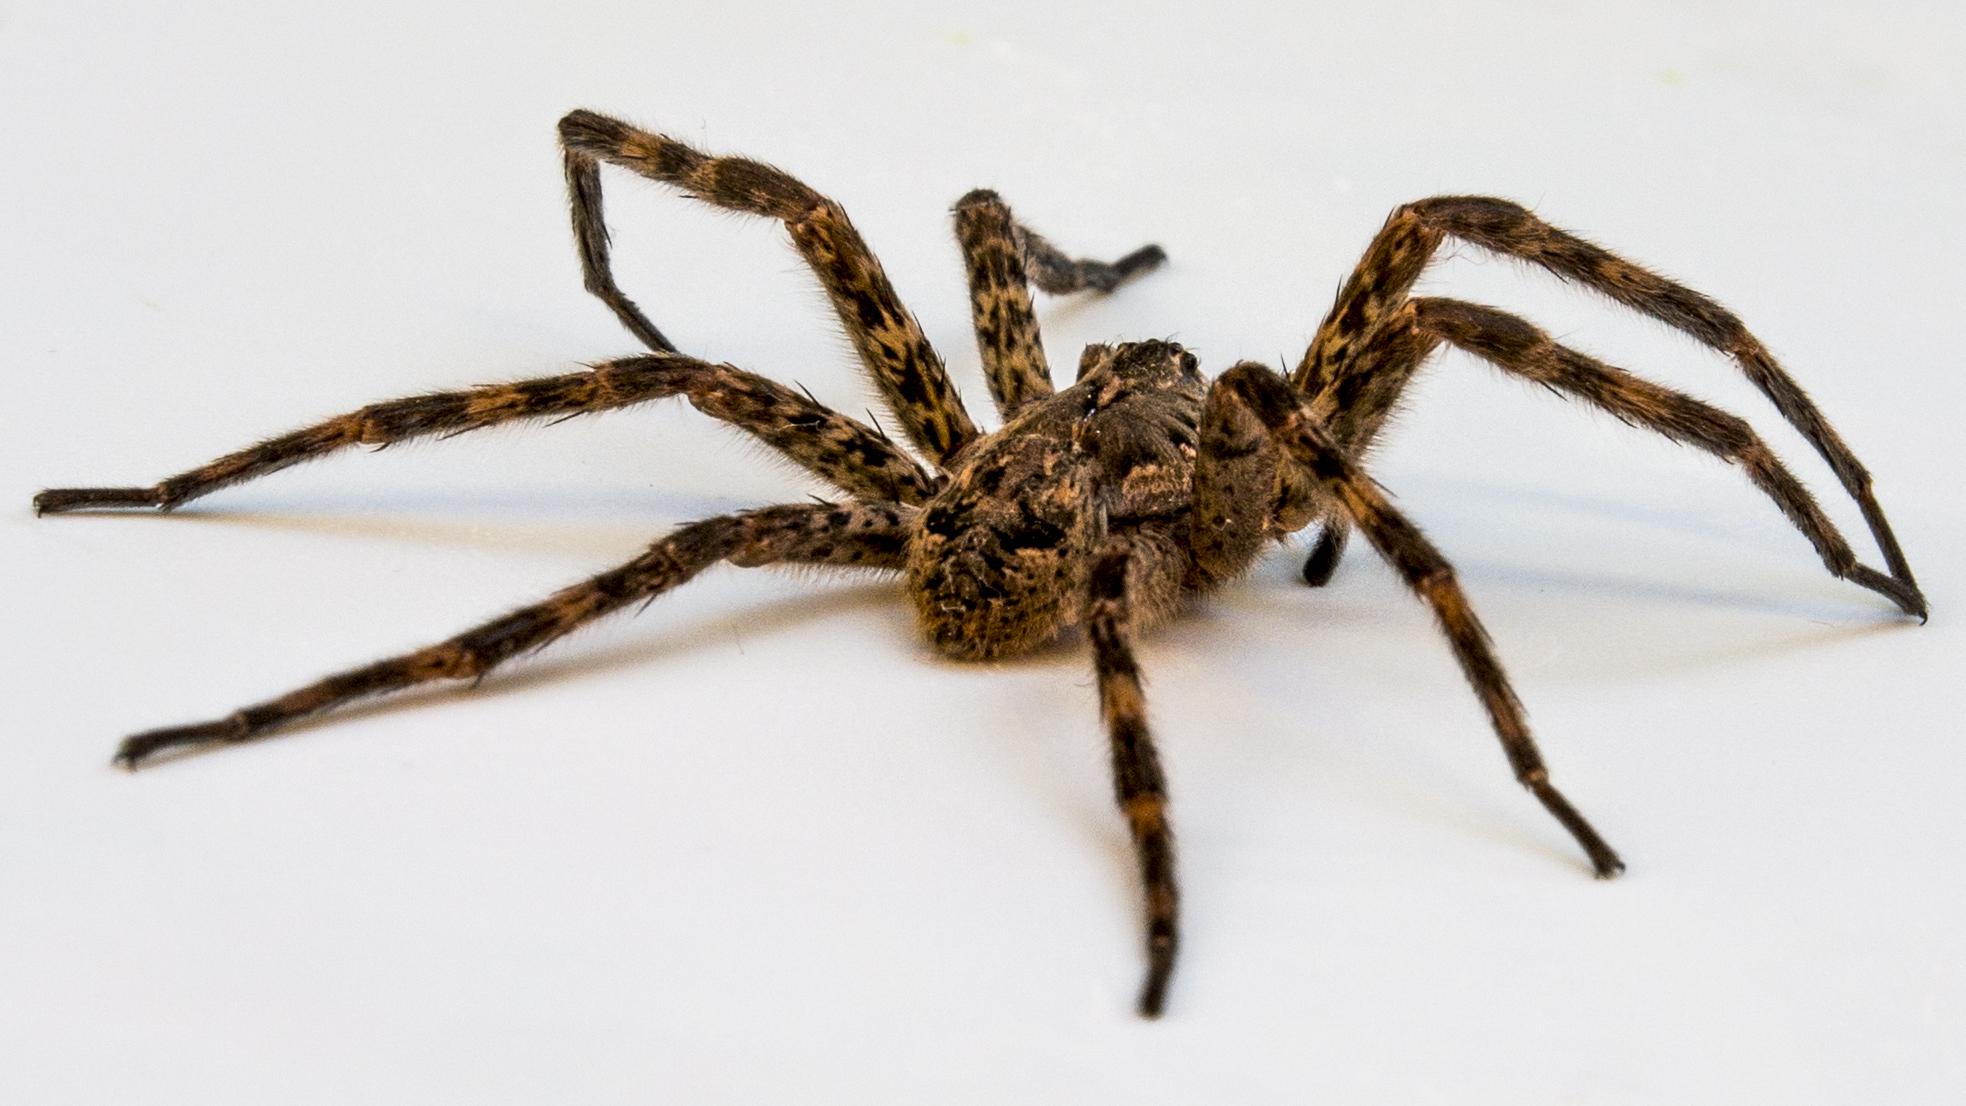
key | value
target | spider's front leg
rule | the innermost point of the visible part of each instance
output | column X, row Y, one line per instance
column 1374, row 339
column 1370, row 380
column 1254, row 425
column 1121, row 567
column 851, row 536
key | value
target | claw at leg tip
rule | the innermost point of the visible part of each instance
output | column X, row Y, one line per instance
column 1608, row 866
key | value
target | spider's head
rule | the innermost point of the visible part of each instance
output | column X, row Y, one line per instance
column 1155, row 365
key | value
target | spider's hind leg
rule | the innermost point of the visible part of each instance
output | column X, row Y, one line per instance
column 854, row 536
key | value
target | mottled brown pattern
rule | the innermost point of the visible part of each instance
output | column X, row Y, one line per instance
column 1360, row 398
column 1341, row 370
column 905, row 367
column 1139, row 786
column 998, row 561
column 1108, row 506
column 1376, row 287
column 1000, row 303
column 1257, row 397
column 854, row 536
column 846, row 453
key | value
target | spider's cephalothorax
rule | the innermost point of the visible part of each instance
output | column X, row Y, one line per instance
column 998, row 560
column 1105, row 505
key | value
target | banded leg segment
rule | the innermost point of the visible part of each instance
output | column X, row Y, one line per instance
column 1000, row 303
column 904, row 366
column 1387, row 362
column 1000, row 257
column 1413, row 234
column 1251, row 411
column 861, row 536
column 1138, row 784
column 1521, row 349
column 846, row 453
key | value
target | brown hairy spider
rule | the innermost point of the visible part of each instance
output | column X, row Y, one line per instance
column 1109, row 505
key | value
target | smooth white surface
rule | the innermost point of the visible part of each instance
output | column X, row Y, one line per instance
column 757, row 845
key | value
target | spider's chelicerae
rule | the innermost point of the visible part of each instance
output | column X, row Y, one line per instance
column 1107, row 505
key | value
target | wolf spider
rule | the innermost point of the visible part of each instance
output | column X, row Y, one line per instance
column 1109, row 504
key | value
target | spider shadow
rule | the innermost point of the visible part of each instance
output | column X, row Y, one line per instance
column 587, row 525
column 1217, row 754
column 1684, row 574
column 529, row 524
column 1338, row 641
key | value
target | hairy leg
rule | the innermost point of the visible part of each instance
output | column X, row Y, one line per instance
column 860, row 536
column 590, row 238
column 1138, row 784
column 904, row 366
column 1001, row 257
column 1413, row 234
column 1516, row 347
column 848, row 454
column 1386, row 363
column 1255, row 420
column 1057, row 272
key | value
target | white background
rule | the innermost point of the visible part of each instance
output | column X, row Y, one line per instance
column 758, row 844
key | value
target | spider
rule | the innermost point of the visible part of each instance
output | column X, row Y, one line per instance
column 1108, row 505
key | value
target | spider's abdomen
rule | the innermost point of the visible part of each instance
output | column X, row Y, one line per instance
column 996, row 561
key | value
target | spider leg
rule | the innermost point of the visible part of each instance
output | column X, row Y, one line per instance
column 1325, row 555
column 1058, row 273
column 852, row 456
column 1138, row 784
column 590, row 237
column 858, row 536
column 1254, row 419
column 891, row 344
column 1516, row 347
column 1002, row 257
column 1387, row 362
column 1414, row 232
